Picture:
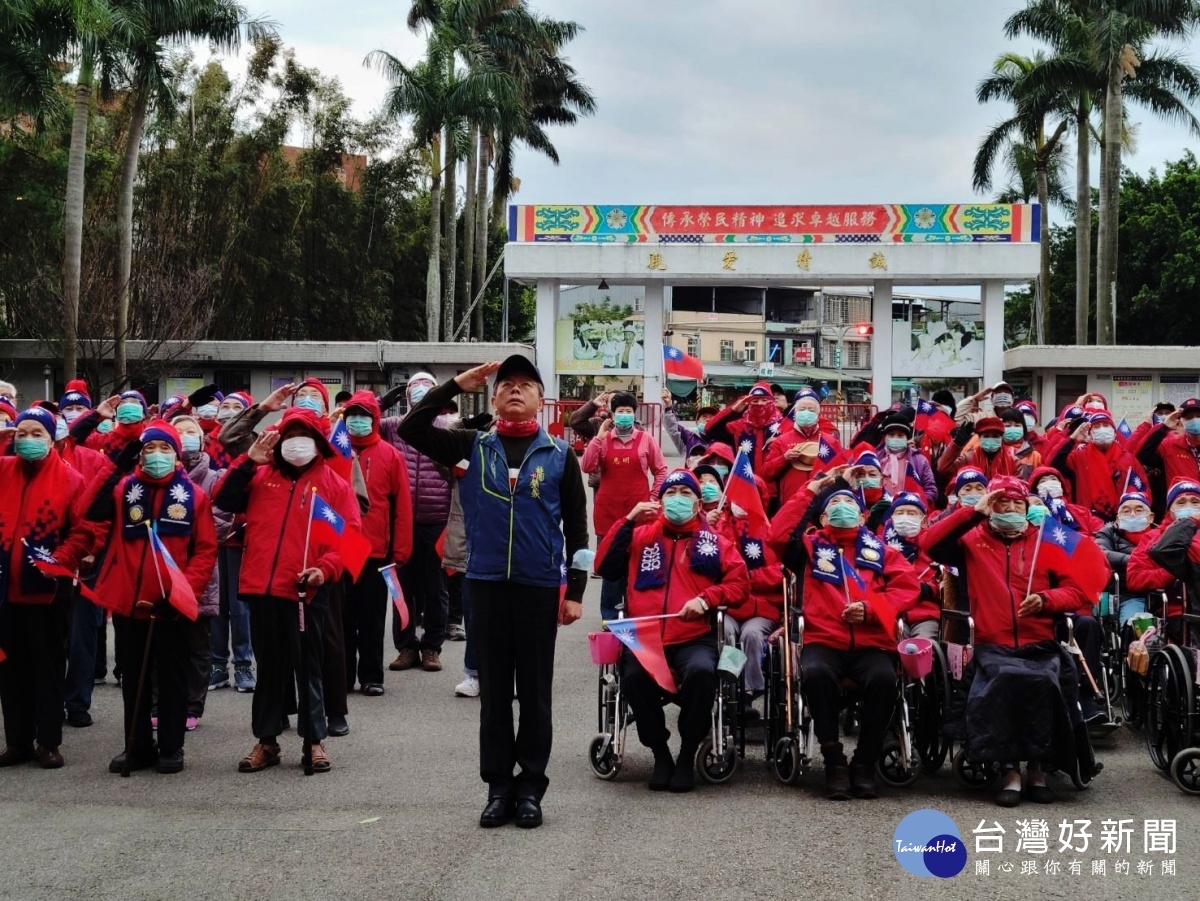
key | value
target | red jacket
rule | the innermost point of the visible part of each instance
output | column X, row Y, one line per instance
column 1100, row 476
column 1178, row 461
column 736, row 430
column 87, row 462
column 766, row 581
column 277, row 501
column 626, row 547
column 1143, row 574
column 388, row 524
column 780, row 473
column 929, row 602
column 129, row 573
column 997, row 578
column 40, row 503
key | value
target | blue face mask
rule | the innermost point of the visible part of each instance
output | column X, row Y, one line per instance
column 1133, row 523
column 806, row 418
column 895, row 443
column 157, row 464
column 31, row 449
column 844, row 516
column 1192, row 426
column 208, row 411
column 1035, row 514
column 358, row 426
column 310, row 403
column 189, row 444
column 623, row 420
column 105, row 426
column 1185, row 512
column 130, row 413
column 417, row 393
column 990, row 445
column 1013, row 434
column 723, row 470
column 970, row 500
column 679, row 508
column 710, row 493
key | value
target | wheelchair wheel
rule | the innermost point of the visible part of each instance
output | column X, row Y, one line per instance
column 786, row 760
column 893, row 769
column 1185, row 770
column 1168, row 706
column 602, row 755
column 971, row 773
column 716, row 769
column 1133, row 698
column 933, row 700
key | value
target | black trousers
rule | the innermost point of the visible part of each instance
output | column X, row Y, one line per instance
column 873, row 670
column 170, row 661
column 200, row 658
column 425, row 592
column 364, row 617
column 275, row 634
column 334, row 638
column 694, row 664
column 33, row 678
column 514, row 628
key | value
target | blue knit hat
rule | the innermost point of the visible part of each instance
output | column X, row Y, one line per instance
column 75, row 395
column 41, row 416
column 907, row 499
column 1181, row 486
column 844, row 493
column 1134, row 496
column 680, row 477
column 966, row 476
column 134, row 395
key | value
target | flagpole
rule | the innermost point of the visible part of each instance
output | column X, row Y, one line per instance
column 845, row 582
column 1128, row 473
column 304, row 705
column 141, row 684
column 154, row 555
column 1033, row 565
column 644, row 619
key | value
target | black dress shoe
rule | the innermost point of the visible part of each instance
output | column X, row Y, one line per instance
column 139, row 762
column 13, row 756
column 79, row 719
column 529, row 813
column 338, row 726
column 1041, row 794
column 664, row 767
column 862, row 781
column 171, row 762
column 683, row 779
column 1009, row 797
column 497, row 813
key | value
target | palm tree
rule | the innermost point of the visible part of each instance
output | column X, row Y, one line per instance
column 33, row 35
column 1025, row 128
column 152, row 28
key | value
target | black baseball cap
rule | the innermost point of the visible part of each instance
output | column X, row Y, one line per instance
column 518, row 364
column 1192, row 403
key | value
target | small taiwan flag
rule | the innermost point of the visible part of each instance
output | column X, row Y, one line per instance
column 352, row 545
column 340, row 439
column 179, row 592
column 391, row 579
column 681, row 365
column 643, row 636
column 741, row 489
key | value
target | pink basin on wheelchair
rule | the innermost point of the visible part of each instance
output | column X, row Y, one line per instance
column 919, row 663
column 605, row 648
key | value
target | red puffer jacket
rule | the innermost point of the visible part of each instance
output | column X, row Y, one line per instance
column 777, row 470
column 40, row 507
column 625, row 550
column 388, row 524
column 997, row 578
column 277, row 500
column 766, row 581
column 1142, row 573
column 130, row 573
column 1178, row 461
column 87, row 462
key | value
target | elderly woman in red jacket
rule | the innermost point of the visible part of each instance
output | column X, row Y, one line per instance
column 1024, row 689
column 855, row 586
column 673, row 563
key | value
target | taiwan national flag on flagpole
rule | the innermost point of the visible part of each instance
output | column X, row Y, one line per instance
column 52, row 569
column 741, row 489
column 643, row 636
column 391, row 579
column 681, row 365
column 352, row 545
column 1066, row 550
column 828, row 456
column 1124, row 429
column 931, row 418
column 180, row 593
column 340, row 439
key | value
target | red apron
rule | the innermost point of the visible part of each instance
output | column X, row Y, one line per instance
column 624, row 483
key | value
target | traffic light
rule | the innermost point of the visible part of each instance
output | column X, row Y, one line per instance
column 865, row 329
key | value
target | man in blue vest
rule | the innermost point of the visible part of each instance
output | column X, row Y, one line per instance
column 525, row 512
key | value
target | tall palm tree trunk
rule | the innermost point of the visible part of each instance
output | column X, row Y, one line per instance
column 468, row 245
column 129, row 166
column 481, row 227
column 1110, row 180
column 1083, row 225
column 433, row 278
column 1043, row 287
column 73, row 219
column 449, row 237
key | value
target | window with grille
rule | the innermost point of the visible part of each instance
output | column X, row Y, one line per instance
column 751, row 349
column 726, row 351
column 693, row 346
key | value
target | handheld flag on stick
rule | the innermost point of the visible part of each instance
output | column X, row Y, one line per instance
column 1124, row 429
column 741, row 489
column 45, row 563
column 1068, row 551
column 351, row 544
column 179, row 594
column 642, row 635
column 392, row 580
column 681, row 365
column 340, row 439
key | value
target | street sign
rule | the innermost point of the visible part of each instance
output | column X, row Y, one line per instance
column 837, row 357
column 766, row 370
column 803, row 355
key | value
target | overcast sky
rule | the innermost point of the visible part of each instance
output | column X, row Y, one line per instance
column 754, row 101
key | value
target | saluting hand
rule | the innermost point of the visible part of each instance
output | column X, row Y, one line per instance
column 646, row 511
column 474, row 379
column 108, row 408
column 263, row 448
column 277, row 398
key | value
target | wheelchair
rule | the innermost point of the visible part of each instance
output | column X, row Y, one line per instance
column 789, row 735
column 718, row 755
column 1172, row 720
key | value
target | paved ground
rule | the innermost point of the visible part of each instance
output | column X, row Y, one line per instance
column 397, row 818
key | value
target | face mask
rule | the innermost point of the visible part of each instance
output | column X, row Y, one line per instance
column 105, row 426
column 208, row 411
column 359, row 426
column 1011, row 523
column 760, row 414
column 710, row 493
column 225, row 414
column 949, row 411
column 1050, row 488
column 71, row 415
column 806, row 418
column 1094, row 405
column 130, row 413
column 1103, row 436
column 157, row 464
column 1030, row 422
column 310, row 403
column 298, row 450
column 970, row 500
column 871, row 482
column 1034, row 515
column 678, row 509
column 723, row 470
column 417, row 392
column 907, row 526
column 1133, row 523
column 31, row 449
column 1192, row 426
column 190, row 444
column 844, row 516
column 700, row 429
column 1013, row 434
column 990, row 445
column 1186, row 513
column 60, row 429
column 895, row 443
column 623, row 421
column 1002, row 400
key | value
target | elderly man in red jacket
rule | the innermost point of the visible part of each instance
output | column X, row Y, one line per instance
column 674, row 564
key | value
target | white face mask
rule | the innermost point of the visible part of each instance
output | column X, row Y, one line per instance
column 1050, row 488
column 299, row 450
column 1103, row 436
column 906, row 526
column 224, row 414
column 1002, row 400
column 60, row 429
column 1094, row 405
column 1030, row 423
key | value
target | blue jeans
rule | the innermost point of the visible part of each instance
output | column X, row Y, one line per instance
column 1129, row 608
column 470, row 665
column 612, row 596
column 234, row 619
column 86, row 622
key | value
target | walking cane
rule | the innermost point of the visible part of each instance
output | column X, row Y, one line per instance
column 141, row 686
column 304, row 703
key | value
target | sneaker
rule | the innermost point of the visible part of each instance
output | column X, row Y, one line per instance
column 467, row 688
column 192, row 723
column 431, row 661
column 154, row 723
column 406, row 659
column 219, row 678
column 243, row 679
column 456, row 632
